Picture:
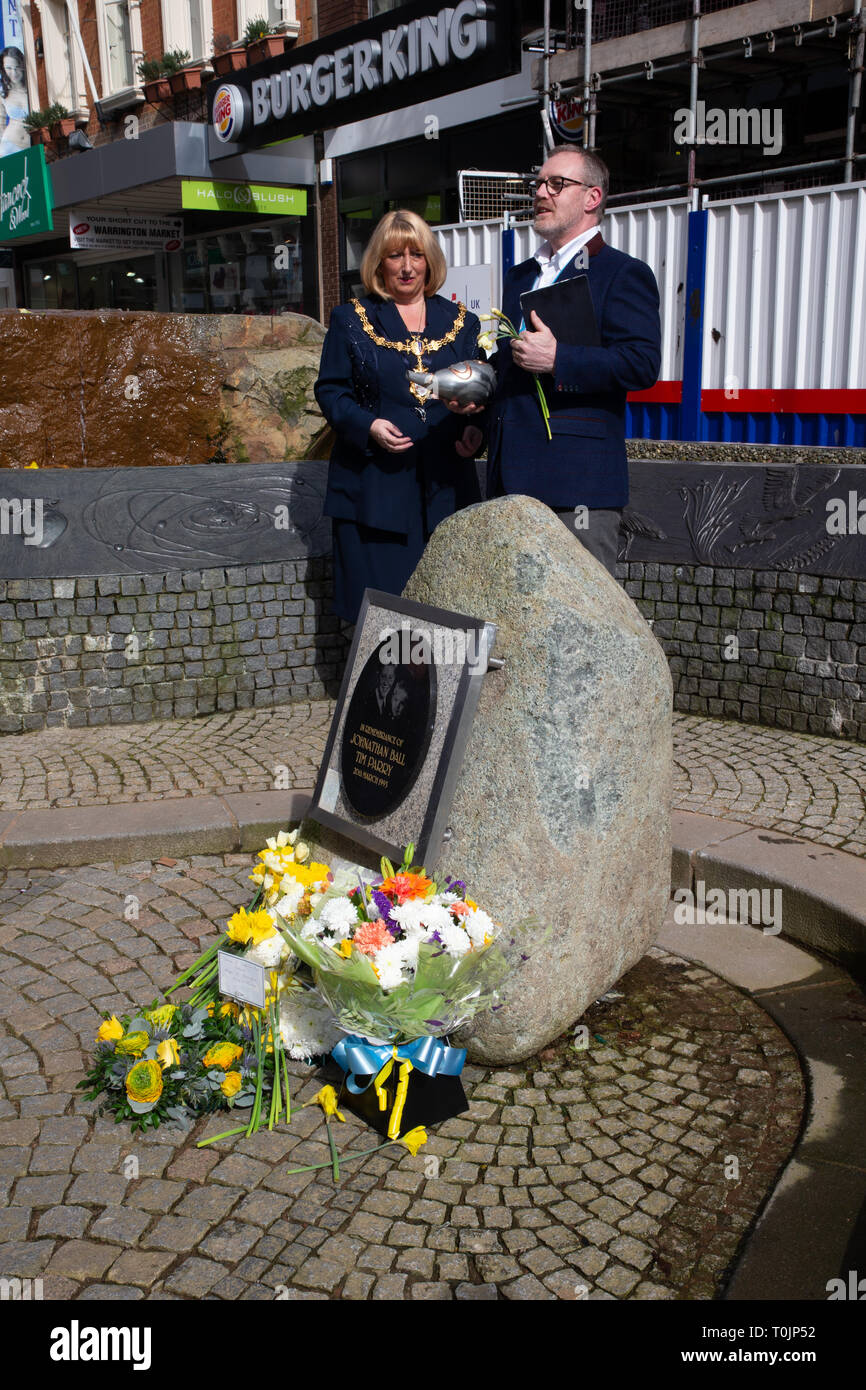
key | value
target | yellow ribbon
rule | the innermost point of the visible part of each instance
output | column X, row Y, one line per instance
column 399, row 1098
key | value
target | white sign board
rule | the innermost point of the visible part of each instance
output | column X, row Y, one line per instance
column 124, row 231
column 241, row 979
column 473, row 286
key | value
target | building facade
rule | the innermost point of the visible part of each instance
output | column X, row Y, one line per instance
column 277, row 220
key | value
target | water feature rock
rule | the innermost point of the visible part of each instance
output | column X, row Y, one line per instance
column 562, row 808
column 112, row 390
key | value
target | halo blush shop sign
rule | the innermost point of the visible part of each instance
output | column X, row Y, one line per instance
column 379, row 66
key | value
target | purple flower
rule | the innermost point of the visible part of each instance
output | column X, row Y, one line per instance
column 384, row 905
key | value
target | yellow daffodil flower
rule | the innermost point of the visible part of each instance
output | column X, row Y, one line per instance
column 250, row 928
column 413, row 1139
column 110, row 1030
column 327, row 1098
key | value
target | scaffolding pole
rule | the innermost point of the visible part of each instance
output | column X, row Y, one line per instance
column 588, row 93
column 694, row 62
column 858, row 35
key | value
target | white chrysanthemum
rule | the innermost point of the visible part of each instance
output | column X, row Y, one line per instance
column 268, row 953
column 307, row 1026
column 415, row 917
column 479, row 925
column 395, row 963
column 454, row 939
column 313, row 930
column 287, row 905
column 339, row 916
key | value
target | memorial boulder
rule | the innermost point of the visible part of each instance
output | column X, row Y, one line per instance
column 562, row 806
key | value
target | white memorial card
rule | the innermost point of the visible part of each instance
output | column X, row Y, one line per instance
column 242, row 980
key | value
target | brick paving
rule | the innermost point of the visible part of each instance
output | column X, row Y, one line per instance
column 796, row 783
column 630, row 1169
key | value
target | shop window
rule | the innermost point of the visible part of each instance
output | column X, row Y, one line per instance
column 64, row 70
column 248, row 270
column 67, row 284
column 120, row 44
column 51, row 285
column 383, row 6
column 188, row 25
column 280, row 14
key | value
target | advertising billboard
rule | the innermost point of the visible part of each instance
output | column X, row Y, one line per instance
column 14, row 99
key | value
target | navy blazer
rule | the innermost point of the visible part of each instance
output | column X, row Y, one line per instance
column 585, row 461
column 359, row 383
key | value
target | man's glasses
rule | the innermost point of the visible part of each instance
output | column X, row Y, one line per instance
column 555, row 184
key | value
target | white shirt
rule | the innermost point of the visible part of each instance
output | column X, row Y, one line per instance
column 554, row 262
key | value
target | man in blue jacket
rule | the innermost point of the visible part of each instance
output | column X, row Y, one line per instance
column 581, row 472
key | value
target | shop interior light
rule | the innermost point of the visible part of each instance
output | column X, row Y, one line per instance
column 46, row 277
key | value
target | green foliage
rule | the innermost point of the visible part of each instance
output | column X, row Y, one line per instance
column 174, row 61
column 35, row 120
column 255, row 30
column 150, row 69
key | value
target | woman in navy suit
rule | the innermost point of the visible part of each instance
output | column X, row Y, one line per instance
column 400, row 465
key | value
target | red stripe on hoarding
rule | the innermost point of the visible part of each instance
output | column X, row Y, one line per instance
column 828, row 401
column 663, row 393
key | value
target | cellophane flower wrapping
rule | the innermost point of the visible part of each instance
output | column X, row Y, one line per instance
column 401, row 958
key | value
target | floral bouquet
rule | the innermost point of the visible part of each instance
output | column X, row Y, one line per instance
column 208, row 1054
column 401, row 963
column 400, row 958
column 502, row 327
column 170, row 1062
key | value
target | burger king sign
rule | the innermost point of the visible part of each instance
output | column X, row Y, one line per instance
column 230, row 106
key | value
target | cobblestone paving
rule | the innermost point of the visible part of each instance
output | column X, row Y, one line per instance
column 598, row 1173
column 797, row 783
column 237, row 752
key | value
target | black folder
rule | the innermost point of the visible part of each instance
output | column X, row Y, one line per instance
column 566, row 308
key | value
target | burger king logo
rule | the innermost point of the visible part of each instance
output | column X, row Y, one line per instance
column 228, row 112
column 566, row 117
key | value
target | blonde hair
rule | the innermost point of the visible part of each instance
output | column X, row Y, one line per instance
column 395, row 232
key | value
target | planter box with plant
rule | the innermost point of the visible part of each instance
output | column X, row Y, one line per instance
column 227, row 59
column 182, row 73
column 261, row 43
column 156, row 85
column 60, row 121
column 38, row 124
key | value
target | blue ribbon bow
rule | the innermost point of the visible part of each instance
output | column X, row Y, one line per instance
column 357, row 1057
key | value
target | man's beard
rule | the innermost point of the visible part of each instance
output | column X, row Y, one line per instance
column 544, row 230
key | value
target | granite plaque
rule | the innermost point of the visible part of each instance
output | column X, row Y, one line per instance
column 401, row 725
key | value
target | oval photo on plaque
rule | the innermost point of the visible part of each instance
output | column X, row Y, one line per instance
column 386, row 733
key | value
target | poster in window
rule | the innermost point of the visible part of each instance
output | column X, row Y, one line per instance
column 14, row 99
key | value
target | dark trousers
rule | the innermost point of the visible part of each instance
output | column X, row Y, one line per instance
column 600, row 536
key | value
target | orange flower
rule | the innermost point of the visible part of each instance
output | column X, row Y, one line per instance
column 406, row 886
column 371, row 937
